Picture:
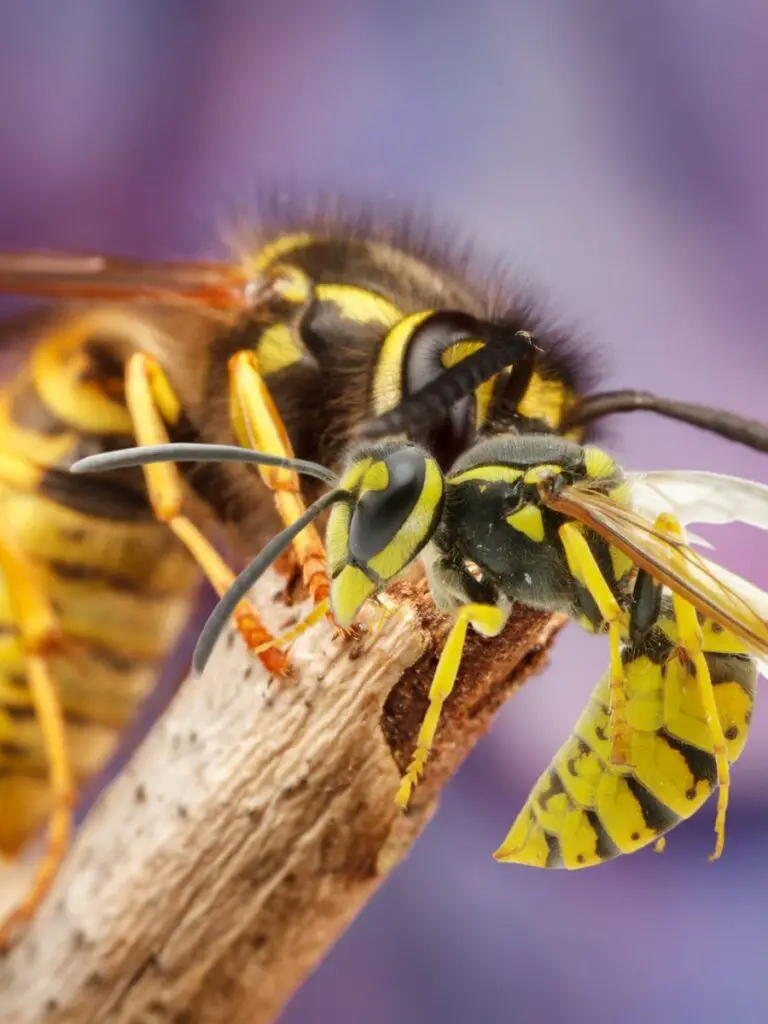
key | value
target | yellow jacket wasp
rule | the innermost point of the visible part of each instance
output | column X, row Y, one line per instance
column 543, row 521
column 288, row 348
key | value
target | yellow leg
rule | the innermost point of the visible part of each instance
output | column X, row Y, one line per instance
column 690, row 644
column 258, row 425
column 292, row 634
column 151, row 403
column 690, row 647
column 488, row 620
column 40, row 634
column 582, row 564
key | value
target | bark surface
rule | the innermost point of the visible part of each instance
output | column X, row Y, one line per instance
column 254, row 823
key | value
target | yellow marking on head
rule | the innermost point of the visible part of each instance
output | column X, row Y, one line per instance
column 396, row 555
column 350, row 481
column 256, row 263
column 388, row 373
column 488, row 474
column 337, row 536
column 349, row 592
column 528, row 520
column 376, row 477
column 360, row 305
column 599, row 464
column 277, row 348
column 546, row 399
column 538, row 473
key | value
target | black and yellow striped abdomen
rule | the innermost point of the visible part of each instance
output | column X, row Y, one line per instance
column 583, row 809
column 120, row 585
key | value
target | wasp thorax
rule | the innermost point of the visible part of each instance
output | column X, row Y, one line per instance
column 397, row 494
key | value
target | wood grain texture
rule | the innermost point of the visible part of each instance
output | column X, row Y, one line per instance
column 254, row 823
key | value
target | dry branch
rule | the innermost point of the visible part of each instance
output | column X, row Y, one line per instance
column 253, row 824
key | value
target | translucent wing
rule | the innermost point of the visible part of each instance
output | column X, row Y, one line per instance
column 91, row 276
column 740, row 609
column 699, row 497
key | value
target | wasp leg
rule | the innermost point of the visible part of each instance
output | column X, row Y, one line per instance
column 257, row 424
column 690, row 647
column 40, row 635
column 582, row 564
column 488, row 620
column 151, row 403
column 296, row 631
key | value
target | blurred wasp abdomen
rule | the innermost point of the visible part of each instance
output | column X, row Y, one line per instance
column 119, row 587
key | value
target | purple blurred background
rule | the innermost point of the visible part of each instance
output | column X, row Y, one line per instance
column 616, row 156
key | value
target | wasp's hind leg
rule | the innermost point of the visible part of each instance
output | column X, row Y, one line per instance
column 584, row 567
column 690, row 650
column 152, row 403
column 257, row 424
column 40, row 636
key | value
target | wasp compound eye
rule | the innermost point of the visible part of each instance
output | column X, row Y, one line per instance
column 396, row 510
column 389, row 493
column 448, row 365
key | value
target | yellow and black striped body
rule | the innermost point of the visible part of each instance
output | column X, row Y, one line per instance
column 584, row 809
column 120, row 585
column 345, row 336
column 493, row 518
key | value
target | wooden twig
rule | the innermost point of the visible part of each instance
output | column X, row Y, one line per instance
column 253, row 824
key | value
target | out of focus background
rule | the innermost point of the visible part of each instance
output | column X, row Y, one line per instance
column 616, row 157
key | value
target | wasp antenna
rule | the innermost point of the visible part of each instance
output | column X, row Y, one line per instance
column 142, row 456
column 751, row 433
column 430, row 404
column 252, row 572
